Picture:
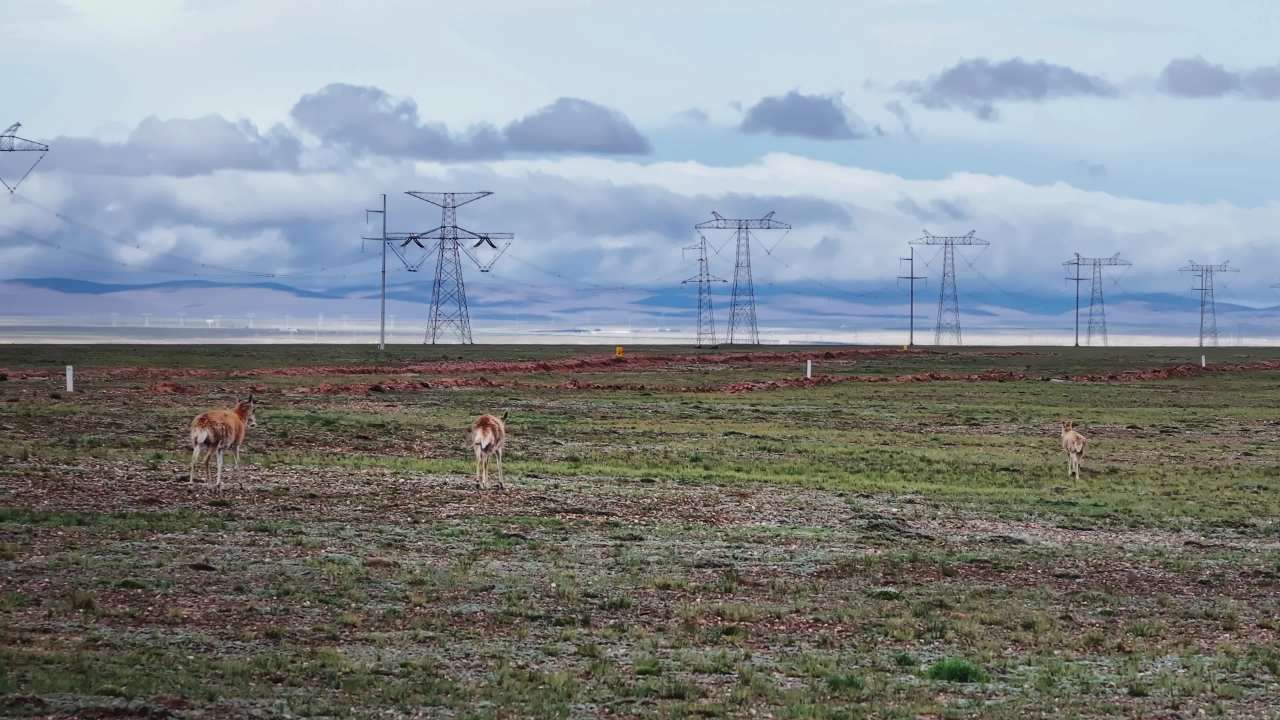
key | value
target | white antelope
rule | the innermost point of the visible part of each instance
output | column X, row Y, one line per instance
column 1073, row 444
column 488, row 435
column 216, row 431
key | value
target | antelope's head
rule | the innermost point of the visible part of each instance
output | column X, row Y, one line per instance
column 246, row 408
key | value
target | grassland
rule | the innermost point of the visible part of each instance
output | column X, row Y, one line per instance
column 665, row 548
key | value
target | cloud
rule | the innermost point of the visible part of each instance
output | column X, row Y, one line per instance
column 821, row 117
column 366, row 119
column 1093, row 169
column 904, row 118
column 573, row 125
column 1198, row 78
column 694, row 115
column 977, row 84
column 180, row 147
column 608, row 221
column 935, row 210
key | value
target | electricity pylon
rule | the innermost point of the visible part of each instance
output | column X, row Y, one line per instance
column 742, row 307
column 1208, row 308
column 1097, row 305
column 448, row 291
column 704, row 278
column 948, row 298
column 10, row 142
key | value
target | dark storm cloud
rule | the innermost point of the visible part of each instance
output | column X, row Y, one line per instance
column 821, row 117
column 573, row 125
column 1094, row 169
column 368, row 120
column 937, row 210
column 695, row 115
column 180, row 147
column 904, row 118
column 551, row 207
column 976, row 85
column 1199, row 78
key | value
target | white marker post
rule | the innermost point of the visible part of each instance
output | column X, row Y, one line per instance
column 1202, row 361
column 808, row 369
column 71, row 379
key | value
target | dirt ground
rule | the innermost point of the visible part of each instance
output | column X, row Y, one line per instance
column 683, row 534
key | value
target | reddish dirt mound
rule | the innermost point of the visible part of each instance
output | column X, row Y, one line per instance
column 580, row 364
column 26, row 374
column 171, row 388
column 984, row 376
column 1176, row 371
column 594, row 363
column 785, row 383
column 395, row 386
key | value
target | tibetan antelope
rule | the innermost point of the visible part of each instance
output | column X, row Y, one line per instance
column 216, row 431
column 488, row 435
column 1073, row 444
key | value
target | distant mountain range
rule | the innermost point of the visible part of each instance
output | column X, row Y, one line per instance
column 806, row 310
column 1047, row 304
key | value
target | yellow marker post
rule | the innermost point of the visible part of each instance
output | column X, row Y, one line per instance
column 617, row 351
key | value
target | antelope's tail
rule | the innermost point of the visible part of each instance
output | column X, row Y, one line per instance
column 483, row 439
column 204, row 434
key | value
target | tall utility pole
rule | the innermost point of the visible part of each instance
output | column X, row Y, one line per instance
column 742, row 308
column 1097, row 305
column 1208, row 309
column 382, row 308
column 704, row 278
column 911, row 277
column 948, row 298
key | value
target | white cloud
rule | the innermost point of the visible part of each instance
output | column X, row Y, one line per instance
column 604, row 220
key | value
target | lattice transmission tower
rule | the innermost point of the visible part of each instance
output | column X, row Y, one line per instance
column 1097, row 305
column 743, row 328
column 1208, row 308
column 11, row 143
column 948, row 299
column 448, row 243
column 704, row 278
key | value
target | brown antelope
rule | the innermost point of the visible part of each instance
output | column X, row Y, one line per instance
column 1073, row 444
column 488, row 435
column 216, row 431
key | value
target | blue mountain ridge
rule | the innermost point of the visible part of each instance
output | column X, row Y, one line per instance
column 675, row 297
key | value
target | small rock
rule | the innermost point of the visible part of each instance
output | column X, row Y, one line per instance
column 379, row 561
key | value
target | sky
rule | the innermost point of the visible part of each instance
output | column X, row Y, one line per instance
column 206, row 139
